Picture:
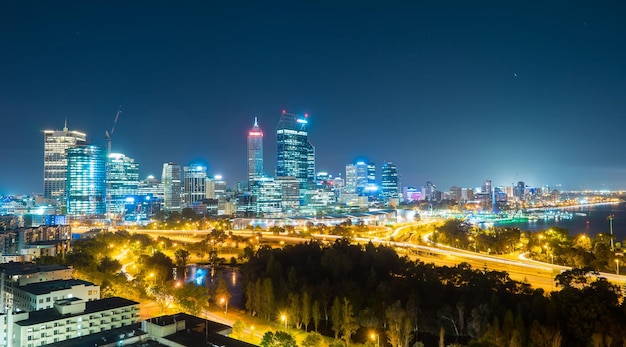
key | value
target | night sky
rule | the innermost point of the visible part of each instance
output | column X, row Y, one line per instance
column 454, row 93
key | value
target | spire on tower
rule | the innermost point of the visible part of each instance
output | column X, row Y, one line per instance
column 65, row 125
column 255, row 122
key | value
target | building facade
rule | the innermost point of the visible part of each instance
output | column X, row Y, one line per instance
column 255, row 152
column 350, row 184
column 295, row 153
column 55, row 161
column 122, row 182
column 389, row 181
column 15, row 275
column 72, row 318
column 171, row 179
column 86, row 180
column 195, row 184
column 41, row 296
column 267, row 197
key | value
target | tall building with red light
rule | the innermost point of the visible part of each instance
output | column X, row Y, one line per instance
column 255, row 153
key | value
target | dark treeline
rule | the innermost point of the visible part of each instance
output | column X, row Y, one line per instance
column 346, row 286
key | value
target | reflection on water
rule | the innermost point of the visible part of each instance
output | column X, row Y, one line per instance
column 589, row 220
column 206, row 276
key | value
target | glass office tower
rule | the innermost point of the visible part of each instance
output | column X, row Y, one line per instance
column 389, row 180
column 122, row 181
column 171, row 178
column 86, row 180
column 56, row 142
column 295, row 154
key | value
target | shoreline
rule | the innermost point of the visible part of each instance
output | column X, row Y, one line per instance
column 574, row 206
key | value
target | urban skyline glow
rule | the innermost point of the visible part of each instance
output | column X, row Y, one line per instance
column 450, row 93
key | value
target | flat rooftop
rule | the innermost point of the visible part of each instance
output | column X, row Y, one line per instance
column 14, row 268
column 105, row 337
column 51, row 314
column 195, row 332
column 41, row 288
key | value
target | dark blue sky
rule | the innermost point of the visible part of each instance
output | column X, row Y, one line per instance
column 450, row 93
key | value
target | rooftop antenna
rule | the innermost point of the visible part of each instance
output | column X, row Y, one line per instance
column 108, row 134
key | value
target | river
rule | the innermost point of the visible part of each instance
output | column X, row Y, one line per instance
column 589, row 220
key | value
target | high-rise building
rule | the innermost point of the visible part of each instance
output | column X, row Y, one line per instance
column 122, row 181
column 361, row 177
column 150, row 186
column 429, row 192
column 519, row 190
column 172, row 187
column 350, row 179
column 456, row 193
column 371, row 173
column 86, row 180
column 295, row 154
column 255, row 152
column 290, row 194
column 55, row 161
column 389, row 180
column 267, row 196
column 195, row 184
column 216, row 187
column 487, row 188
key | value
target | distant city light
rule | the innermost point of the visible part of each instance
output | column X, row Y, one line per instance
column 300, row 120
column 218, row 177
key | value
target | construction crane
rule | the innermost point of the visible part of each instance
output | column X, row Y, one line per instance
column 107, row 134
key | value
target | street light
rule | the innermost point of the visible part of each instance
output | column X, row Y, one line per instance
column 224, row 304
column 617, row 270
column 375, row 337
column 284, row 319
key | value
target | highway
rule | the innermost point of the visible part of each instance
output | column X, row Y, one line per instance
column 538, row 274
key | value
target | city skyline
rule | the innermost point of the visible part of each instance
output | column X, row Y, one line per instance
column 449, row 94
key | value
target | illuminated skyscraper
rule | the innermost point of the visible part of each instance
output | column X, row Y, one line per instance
column 487, row 189
column 371, row 173
column 295, row 155
column 86, row 180
column 255, row 153
column 172, row 183
column 195, row 184
column 361, row 177
column 267, row 194
column 122, row 181
column 55, row 161
column 350, row 179
column 389, row 181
